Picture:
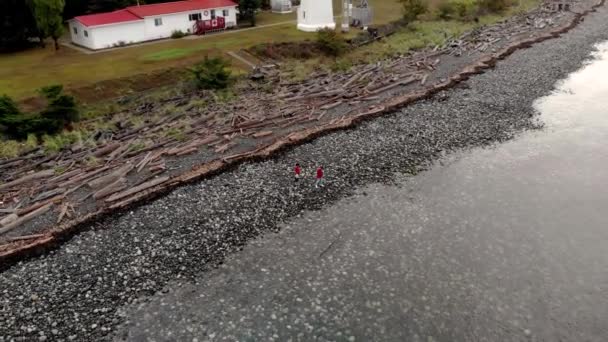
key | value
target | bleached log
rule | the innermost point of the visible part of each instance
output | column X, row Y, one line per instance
column 106, row 150
column 331, row 105
column 83, row 177
column 137, row 189
column 25, row 218
column 112, row 177
column 394, row 85
column 225, row 147
column 8, row 220
column 33, row 176
column 26, row 237
column 262, row 134
column 40, row 204
column 48, row 194
column 117, row 186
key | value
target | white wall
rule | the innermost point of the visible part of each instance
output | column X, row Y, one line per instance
column 315, row 14
column 78, row 38
column 180, row 21
column 108, row 35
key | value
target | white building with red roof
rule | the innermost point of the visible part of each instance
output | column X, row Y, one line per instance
column 150, row 22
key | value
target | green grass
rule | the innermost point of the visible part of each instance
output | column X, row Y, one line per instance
column 23, row 72
column 167, row 54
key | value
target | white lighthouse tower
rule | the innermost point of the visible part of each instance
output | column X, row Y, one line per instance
column 314, row 15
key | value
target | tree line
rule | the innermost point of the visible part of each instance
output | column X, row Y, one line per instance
column 26, row 22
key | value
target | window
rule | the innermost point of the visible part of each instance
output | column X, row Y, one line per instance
column 75, row 30
column 86, row 33
column 158, row 21
column 212, row 14
column 225, row 13
column 194, row 16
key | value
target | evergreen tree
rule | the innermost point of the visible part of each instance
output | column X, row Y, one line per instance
column 49, row 18
column 96, row 6
column 247, row 9
column 17, row 25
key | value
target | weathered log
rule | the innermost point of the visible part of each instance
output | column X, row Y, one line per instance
column 123, row 147
column 424, row 78
column 158, row 167
column 117, row 186
column 26, row 237
column 40, row 204
column 106, row 150
column 51, row 193
column 137, row 189
column 394, row 85
column 318, row 94
column 112, row 177
column 83, row 177
column 262, row 134
column 9, row 219
column 64, row 210
column 225, row 147
column 34, row 176
column 25, row 218
column 64, row 176
column 143, row 162
column 331, row 105
column 187, row 151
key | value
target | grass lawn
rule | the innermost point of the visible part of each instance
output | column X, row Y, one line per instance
column 24, row 72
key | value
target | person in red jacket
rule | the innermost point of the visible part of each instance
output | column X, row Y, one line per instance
column 320, row 176
column 297, row 172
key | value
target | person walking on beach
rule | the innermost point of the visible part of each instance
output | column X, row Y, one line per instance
column 297, row 172
column 319, row 177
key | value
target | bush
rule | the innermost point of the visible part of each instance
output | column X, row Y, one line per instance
column 330, row 42
column 60, row 112
column 446, row 10
column 493, row 6
column 9, row 149
column 299, row 50
column 212, row 73
column 456, row 9
column 413, row 8
column 177, row 34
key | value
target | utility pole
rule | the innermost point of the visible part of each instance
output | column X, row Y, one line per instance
column 346, row 15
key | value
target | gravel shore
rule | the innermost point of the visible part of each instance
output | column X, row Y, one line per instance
column 75, row 292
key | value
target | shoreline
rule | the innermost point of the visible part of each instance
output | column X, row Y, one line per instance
column 49, row 238
column 124, row 259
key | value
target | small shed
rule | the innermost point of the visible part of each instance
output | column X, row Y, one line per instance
column 281, row 6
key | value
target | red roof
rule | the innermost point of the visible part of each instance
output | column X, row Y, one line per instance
column 115, row 17
column 134, row 13
column 178, row 6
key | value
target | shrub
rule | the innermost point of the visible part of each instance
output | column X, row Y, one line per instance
column 341, row 65
column 446, row 10
column 60, row 112
column 330, row 42
column 32, row 141
column 456, row 9
column 9, row 149
column 413, row 8
column 176, row 34
column 212, row 73
column 493, row 6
